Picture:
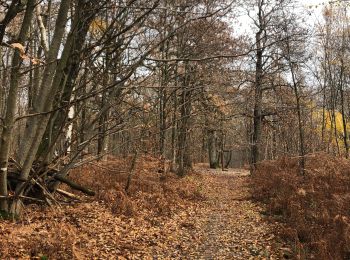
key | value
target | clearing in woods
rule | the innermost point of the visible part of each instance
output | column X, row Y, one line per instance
column 224, row 225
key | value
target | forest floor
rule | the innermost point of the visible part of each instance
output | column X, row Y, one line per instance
column 230, row 224
column 214, row 219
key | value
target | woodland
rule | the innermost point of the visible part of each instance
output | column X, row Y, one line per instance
column 174, row 129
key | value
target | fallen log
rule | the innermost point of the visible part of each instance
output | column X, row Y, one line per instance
column 74, row 185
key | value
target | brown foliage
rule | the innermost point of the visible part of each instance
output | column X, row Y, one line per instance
column 150, row 188
column 315, row 208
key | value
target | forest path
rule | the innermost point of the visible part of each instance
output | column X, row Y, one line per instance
column 229, row 224
column 215, row 219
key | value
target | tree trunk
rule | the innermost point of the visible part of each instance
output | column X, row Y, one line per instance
column 256, row 138
column 50, row 82
column 85, row 13
column 213, row 148
column 342, row 99
column 7, row 133
column 184, row 156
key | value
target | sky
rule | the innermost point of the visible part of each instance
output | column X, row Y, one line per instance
column 312, row 10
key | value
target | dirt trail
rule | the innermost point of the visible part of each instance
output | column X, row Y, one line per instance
column 229, row 224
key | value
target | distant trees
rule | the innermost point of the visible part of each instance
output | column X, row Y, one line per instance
column 304, row 95
column 332, row 74
column 182, row 65
column 294, row 55
column 268, row 20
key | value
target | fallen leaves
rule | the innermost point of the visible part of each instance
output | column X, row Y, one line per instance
column 211, row 224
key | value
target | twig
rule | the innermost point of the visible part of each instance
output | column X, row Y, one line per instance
column 68, row 194
column 22, row 197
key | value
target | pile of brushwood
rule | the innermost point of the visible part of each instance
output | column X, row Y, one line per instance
column 42, row 186
column 314, row 209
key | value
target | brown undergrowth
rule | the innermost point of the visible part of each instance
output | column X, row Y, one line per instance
column 113, row 223
column 314, row 208
column 151, row 188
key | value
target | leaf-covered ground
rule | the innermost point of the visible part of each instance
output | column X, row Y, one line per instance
column 208, row 215
column 229, row 223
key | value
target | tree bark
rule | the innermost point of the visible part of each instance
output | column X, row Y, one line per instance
column 213, row 148
column 256, row 138
column 184, row 156
column 7, row 133
column 51, row 78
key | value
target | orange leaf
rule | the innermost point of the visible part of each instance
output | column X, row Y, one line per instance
column 18, row 46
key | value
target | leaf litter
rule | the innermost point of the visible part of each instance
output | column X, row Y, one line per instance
column 206, row 215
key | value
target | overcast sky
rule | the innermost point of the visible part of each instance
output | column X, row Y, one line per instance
column 310, row 9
